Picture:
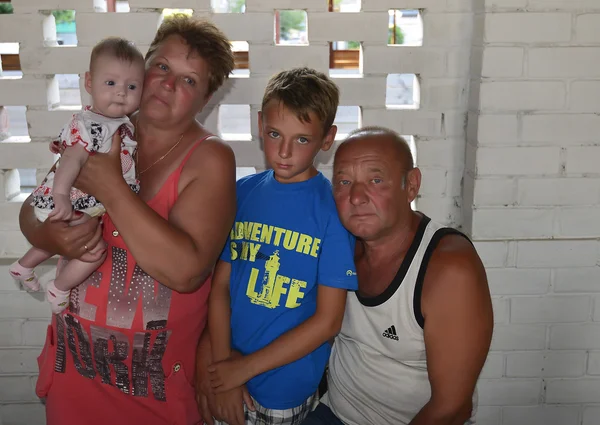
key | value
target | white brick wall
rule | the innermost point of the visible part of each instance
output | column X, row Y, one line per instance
column 528, row 74
column 531, row 173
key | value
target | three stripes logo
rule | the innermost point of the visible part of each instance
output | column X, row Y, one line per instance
column 390, row 333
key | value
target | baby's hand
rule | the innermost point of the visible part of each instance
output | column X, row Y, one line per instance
column 63, row 210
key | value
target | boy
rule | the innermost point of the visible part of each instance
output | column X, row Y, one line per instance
column 279, row 290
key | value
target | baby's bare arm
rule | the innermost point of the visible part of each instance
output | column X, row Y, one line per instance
column 71, row 162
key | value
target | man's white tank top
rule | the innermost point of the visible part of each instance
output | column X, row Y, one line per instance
column 378, row 367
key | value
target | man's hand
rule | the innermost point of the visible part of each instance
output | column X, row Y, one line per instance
column 228, row 374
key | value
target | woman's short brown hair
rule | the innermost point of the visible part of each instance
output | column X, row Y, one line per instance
column 204, row 38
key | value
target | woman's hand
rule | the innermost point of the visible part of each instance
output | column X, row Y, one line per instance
column 75, row 240
column 102, row 172
column 69, row 239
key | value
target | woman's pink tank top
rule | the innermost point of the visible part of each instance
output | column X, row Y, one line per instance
column 124, row 351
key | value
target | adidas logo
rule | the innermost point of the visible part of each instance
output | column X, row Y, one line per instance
column 390, row 333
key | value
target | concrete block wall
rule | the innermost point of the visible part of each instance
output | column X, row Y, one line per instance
column 531, row 183
column 522, row 180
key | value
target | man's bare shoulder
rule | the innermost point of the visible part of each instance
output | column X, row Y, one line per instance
column 455, row 253
column 454, row 266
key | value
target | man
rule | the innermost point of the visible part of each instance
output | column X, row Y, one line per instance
column 416, row 334
column 422, row 289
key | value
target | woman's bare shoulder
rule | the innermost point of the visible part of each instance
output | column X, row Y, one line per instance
column 213, row 148
column 211, row 157
column 214, row 143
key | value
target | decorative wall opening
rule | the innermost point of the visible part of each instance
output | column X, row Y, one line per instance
column 405, row 27
column 402, row 91
column 169, row 12
column 347, row 119
column 242, row 62
column 234, row 122
column 69, row 91
column 344, row 6
column 228, row 6
column 291, row 27
column 111, row 6
column 244, row 171
column 13, row 124
column 66, row 27
column 10, row 62
column 345, row 58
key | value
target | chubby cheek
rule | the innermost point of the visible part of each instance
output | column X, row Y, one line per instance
column 103, row 96
column 189, row 98
column 135, row 99
column 185, row 99
column 146, row 94
column 152, row 80
column 150, row 83
column 99, row 90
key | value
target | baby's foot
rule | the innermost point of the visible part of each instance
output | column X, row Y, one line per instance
column 58, row 299
column 25, row 276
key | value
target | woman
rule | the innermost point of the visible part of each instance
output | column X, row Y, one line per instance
column 124, row 351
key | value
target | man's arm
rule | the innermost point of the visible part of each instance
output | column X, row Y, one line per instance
column 458, row 328
column 289, row 347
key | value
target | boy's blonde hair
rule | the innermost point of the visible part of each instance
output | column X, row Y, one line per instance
column 304, row 90
column 118, row 48
column 203, row 38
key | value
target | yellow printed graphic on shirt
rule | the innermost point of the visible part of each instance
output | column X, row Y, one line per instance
column 268, row 287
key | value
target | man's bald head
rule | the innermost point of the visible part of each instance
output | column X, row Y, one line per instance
column 384, row 135
column 374, row 182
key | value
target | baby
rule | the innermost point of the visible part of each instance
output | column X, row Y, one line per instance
column 114, row 83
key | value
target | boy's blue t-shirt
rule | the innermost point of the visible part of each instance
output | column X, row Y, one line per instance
column 286, row 239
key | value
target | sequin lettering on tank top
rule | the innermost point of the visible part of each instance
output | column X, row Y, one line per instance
column 133, row 364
